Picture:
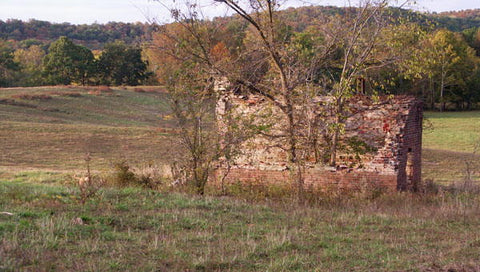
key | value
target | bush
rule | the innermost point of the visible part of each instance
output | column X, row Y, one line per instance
column 149, row 177
column 123, row 176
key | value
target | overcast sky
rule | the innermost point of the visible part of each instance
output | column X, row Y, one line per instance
column 102, row 11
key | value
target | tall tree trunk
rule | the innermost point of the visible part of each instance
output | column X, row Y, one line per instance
column 442, row 89
column 336, row 134
column 432, row 93
column 295, row 162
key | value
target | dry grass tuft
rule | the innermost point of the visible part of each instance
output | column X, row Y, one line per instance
column 101, row 90
column 32, row 96
column 65, row 94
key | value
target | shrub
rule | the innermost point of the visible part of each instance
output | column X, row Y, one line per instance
column 150, row 176
column 123, row 176
column 430, row 187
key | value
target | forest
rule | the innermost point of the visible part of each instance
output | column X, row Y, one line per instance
column 432, row 56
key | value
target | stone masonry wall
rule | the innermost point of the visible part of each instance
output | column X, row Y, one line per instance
column 387, row 131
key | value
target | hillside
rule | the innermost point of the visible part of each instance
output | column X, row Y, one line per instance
column 54, row 127
column 472, row 14
column 95, row 36
column 458, row 20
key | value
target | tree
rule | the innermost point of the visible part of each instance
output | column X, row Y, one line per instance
column 191, row 101
column 356, row 36
column 120, row 64
column 68, row 63
column 472, row 37
column 8, row 66
column 446, row 60
column 30, row 61
column 288, row 69
column 202, row 141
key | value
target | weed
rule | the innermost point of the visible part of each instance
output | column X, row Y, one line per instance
column 89, row 184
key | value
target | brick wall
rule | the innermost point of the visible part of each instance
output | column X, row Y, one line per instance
column 410, row 156
column 316, row 178
column 391, row 128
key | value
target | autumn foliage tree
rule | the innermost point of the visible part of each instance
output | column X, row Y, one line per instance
column 30, row 61
column 284, row 67
column 448, row 64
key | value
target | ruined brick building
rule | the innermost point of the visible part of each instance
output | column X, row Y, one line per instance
column 381, row 143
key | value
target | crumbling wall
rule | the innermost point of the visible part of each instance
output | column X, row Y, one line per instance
column 381, row 143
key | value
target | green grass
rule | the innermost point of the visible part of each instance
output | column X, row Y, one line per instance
column 452, row 131
column 43, row 143
column 132, row 229
column 121, row 107
column 449, row 144
column 55, row 134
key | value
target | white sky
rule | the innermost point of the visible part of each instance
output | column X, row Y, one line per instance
column 102, row 11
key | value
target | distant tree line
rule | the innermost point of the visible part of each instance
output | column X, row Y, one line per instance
column 65, row 62
column 413, row 54
column 94, row 36
column 416, row 54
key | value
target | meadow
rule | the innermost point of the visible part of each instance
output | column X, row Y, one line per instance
column 44, row 226
column 134, row 229
column 52, row 128
column 451, row 142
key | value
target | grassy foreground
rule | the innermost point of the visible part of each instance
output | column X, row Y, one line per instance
column 45, row 133
column 139, row 230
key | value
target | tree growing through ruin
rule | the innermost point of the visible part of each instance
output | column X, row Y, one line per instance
column 357, row 36
column 193, row 96
column 286, row 68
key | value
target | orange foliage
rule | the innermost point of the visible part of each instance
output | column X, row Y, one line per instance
column 220, row 52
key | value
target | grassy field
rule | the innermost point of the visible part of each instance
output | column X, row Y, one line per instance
column 139, row 230
column 52, row 128
column 449, row 143
column 46, row 132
